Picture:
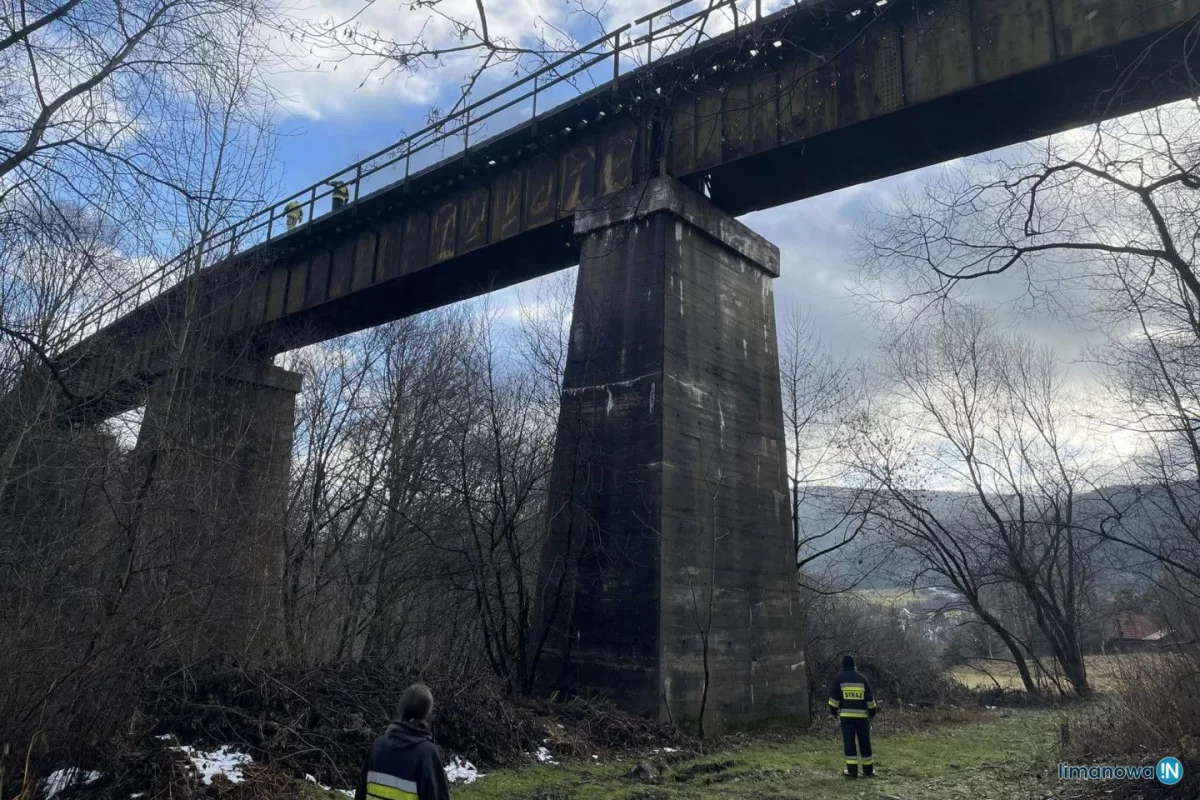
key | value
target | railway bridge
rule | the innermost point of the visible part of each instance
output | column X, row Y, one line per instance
column 673, row 364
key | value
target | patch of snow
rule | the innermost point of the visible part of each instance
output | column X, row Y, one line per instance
column 311, row 779
column 164, row 737
column 223, row 761
column 459, row 770
column 544, row 756
column 62, row 779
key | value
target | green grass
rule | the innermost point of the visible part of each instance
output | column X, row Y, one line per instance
column 1000, row 755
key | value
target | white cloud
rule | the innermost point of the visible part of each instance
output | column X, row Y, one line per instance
column 319, row 84
column 322, row 82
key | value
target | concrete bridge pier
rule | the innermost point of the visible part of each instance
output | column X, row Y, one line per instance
column 669, row 557
column 213, row 456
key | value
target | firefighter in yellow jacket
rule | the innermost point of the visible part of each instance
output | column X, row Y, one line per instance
column 851, row 700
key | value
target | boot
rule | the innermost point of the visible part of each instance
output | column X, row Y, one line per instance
column 851, row 771
column 868, row 770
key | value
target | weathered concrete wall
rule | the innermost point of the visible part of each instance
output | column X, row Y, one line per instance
column 213, row 452
column 670, row 516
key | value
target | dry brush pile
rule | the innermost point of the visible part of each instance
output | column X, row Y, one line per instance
column 319, row 722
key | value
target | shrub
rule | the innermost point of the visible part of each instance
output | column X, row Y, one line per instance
column 1151, row 713
column 900, row 662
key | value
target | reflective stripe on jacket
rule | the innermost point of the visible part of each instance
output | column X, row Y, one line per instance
column 850, row 695
column 382, row 786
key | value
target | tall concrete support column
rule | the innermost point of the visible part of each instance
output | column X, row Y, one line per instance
column 214, row 452
column 668, row 572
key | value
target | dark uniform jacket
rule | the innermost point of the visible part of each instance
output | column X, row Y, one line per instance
column 403, row 764
column 850, row 695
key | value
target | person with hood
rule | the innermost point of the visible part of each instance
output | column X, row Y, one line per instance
column 851, row 700
column 404, row 763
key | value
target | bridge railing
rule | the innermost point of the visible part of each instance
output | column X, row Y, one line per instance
column 667, row 30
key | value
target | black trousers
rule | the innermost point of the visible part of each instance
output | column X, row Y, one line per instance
column 859, row 729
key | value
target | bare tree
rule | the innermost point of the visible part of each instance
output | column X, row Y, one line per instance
column 985, row 416
column 1102, row 224
column 122, row 118
column 821, row 395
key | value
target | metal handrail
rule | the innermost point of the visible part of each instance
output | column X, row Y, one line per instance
column 435, row 133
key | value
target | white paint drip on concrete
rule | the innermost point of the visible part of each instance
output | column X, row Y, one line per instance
column 626, row 384
column 608, row 408
column 697, row 394
column 651, row 397
column 745, row 349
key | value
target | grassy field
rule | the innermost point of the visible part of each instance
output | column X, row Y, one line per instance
column 998, row 755
column 1103, row 672
column 888, row 598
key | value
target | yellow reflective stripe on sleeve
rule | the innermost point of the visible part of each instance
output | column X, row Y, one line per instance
column 870, row 704
column 834, row 703
column 853, row 713
column 381, row 792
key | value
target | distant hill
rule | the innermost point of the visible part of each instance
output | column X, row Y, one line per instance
column 869, row 560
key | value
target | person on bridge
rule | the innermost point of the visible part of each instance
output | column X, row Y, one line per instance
column 294, row 214
column 851, row 700
column 341, row 194
column 404, row 763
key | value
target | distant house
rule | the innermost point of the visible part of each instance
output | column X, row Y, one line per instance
column 1132, row 632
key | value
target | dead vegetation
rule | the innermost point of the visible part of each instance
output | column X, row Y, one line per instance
column 319, row 723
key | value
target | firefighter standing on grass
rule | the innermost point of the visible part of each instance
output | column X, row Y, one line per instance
column 851, row 700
